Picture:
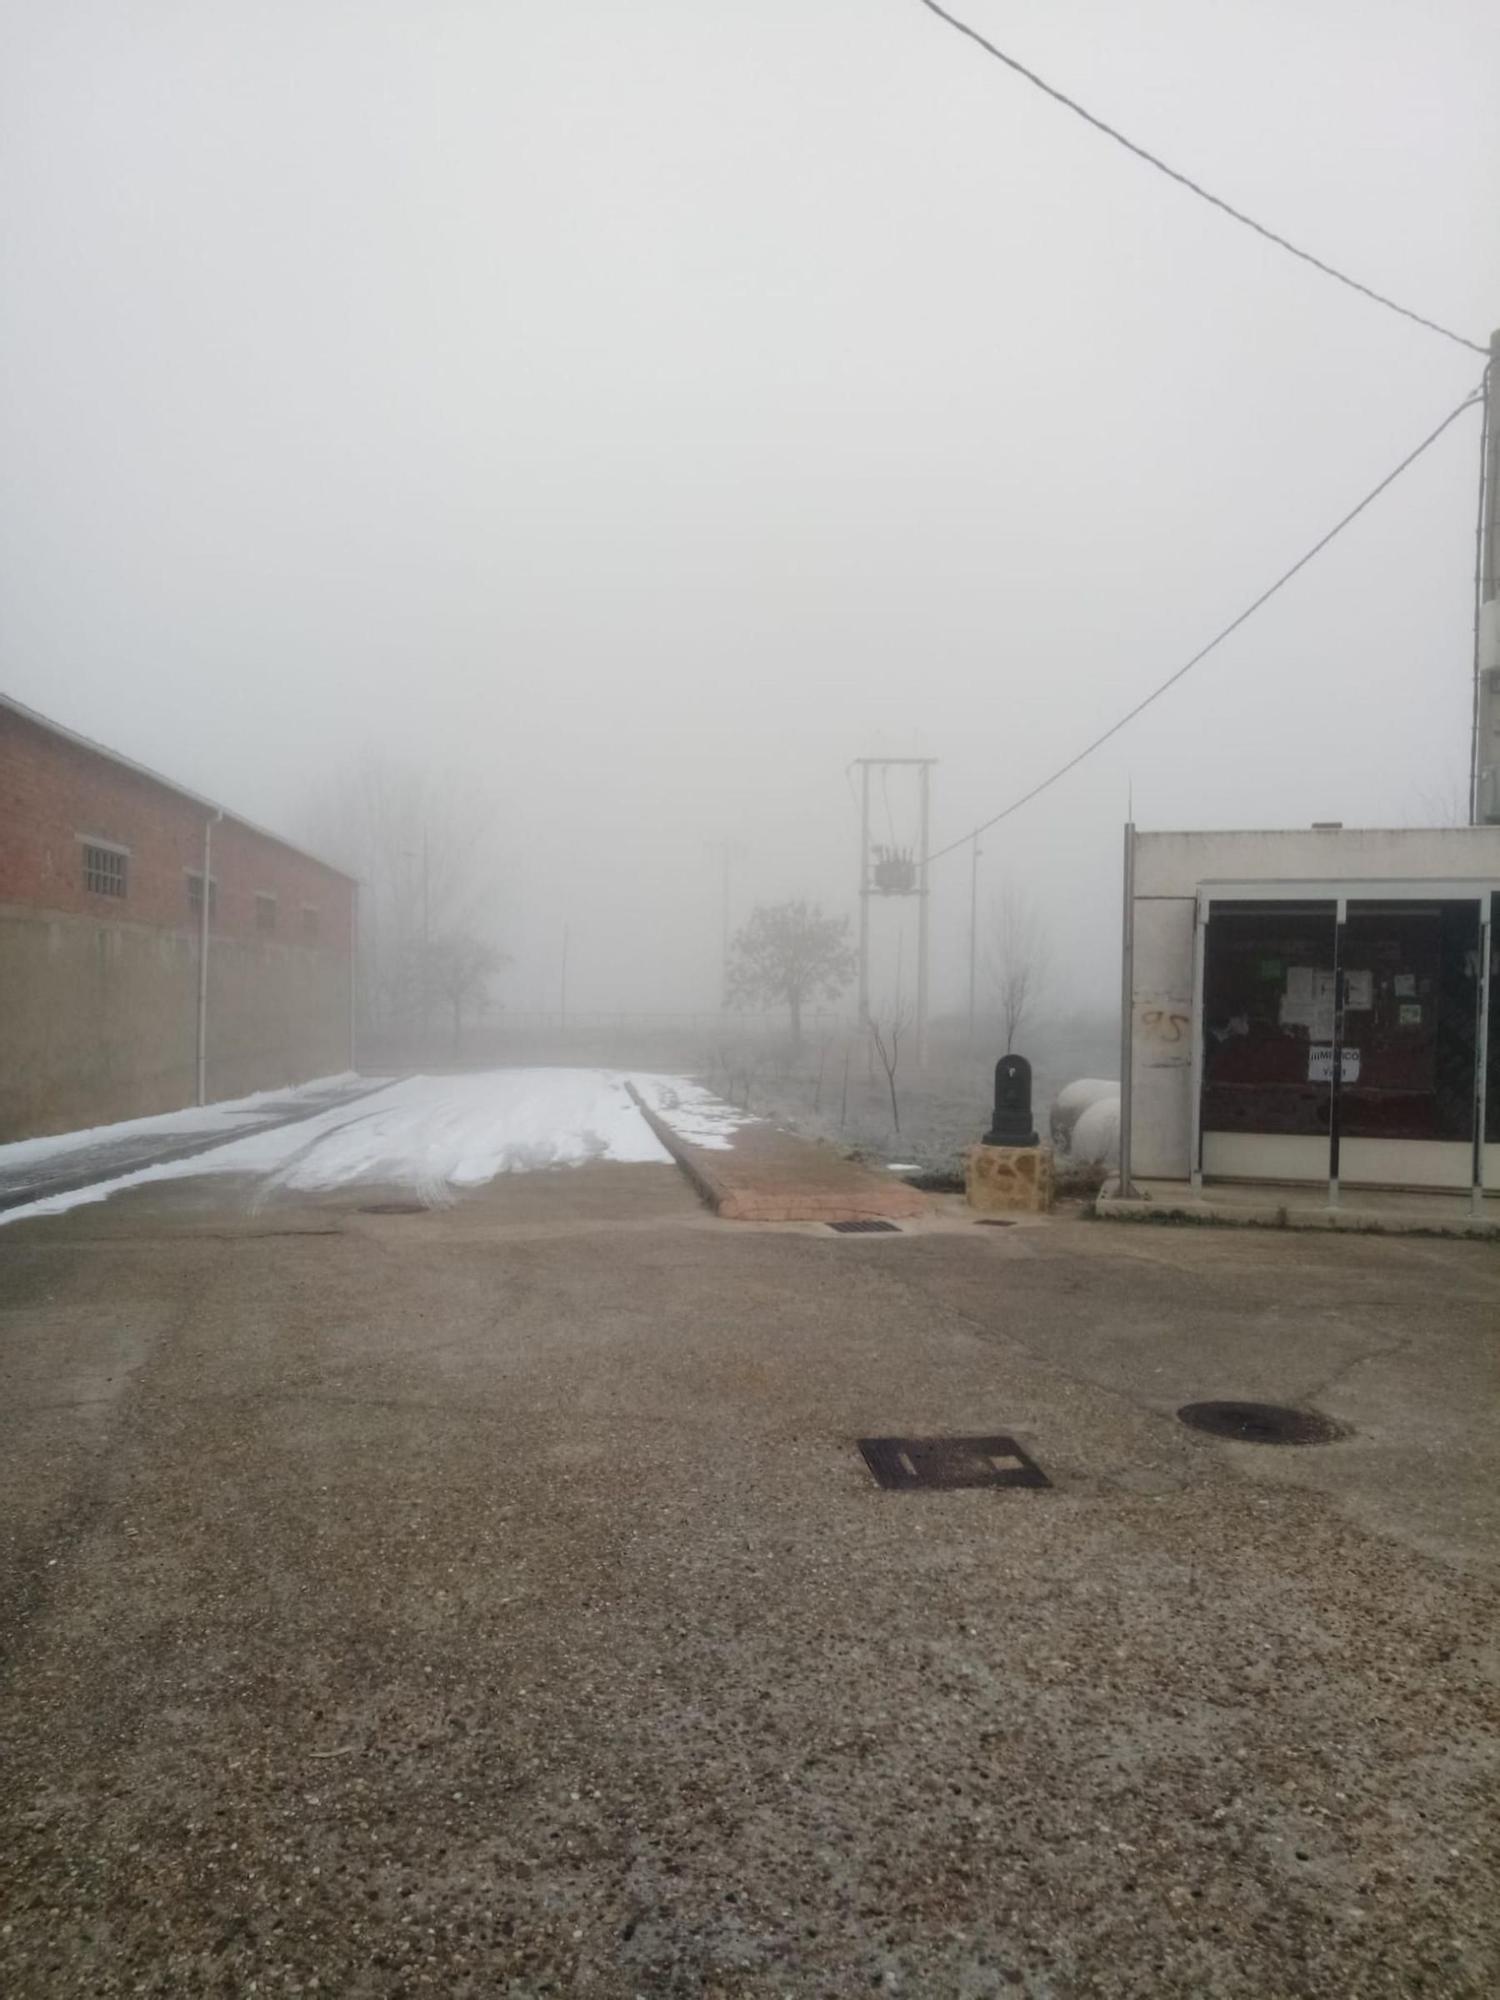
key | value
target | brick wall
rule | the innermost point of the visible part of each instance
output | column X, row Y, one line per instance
column 98, row 993
column 55, row 795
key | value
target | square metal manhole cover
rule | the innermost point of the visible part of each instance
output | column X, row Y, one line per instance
column 904, row 1464
column 865, row 1225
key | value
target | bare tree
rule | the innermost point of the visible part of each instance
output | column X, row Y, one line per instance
column 1442, row 803
column 787, row 955
column 460, row 969
column 1018, row 961
column 422, row 844
column 887, row 1040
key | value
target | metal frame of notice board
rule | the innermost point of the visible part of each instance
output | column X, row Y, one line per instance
column 1336, row 896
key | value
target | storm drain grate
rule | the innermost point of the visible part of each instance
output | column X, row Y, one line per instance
column 905, row 1464
column 865, row 1225
column 394, row 1208
column 1262, row 1423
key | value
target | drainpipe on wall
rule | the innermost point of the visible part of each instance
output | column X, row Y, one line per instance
column 203, row 903
column 353, row 972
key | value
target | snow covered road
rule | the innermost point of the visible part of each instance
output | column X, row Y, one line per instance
column 433, row 1135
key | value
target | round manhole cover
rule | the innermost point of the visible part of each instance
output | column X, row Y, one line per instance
column 1261, row 1423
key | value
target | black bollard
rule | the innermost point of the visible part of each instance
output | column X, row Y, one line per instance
column 1012, row 1125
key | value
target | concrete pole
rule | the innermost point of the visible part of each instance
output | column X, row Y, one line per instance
column 426, row 935
column 206, row 882
column 1484, row 748
column 924, row 925
column 1490, row 578
column 864, row 897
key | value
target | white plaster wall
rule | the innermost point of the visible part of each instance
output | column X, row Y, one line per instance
column 1176, row 863
column 1161, row 1061
column 1169, row 870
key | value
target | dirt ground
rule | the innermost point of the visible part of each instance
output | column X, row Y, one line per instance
column 494, row 1601
column 833, row 1087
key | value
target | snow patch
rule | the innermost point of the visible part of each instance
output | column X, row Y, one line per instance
column 196, row 1122
column 692, row 1112
column 432, row 1134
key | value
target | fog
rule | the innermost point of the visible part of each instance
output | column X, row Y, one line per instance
column 641, row 412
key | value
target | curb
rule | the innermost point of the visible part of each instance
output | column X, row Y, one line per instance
column 747, row 1204
column 685, row 1155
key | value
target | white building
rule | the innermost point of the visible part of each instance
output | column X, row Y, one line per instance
column 1318, row 1006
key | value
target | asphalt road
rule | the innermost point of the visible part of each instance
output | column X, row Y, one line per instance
column 494, row 1602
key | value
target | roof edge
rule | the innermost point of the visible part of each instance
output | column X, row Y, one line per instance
column 45, row 722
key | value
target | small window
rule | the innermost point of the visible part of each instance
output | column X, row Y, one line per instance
column 104, row 869
column 309, row 921
column 195, row 895
column 265, row 911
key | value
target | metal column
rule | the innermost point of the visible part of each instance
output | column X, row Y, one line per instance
column 1202, row 911
column 353, row 974
column 1125, row 1190
column 1336, row 1064
column 1481, row 1051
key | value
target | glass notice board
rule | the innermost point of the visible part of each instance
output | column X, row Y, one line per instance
column 1406, row 1037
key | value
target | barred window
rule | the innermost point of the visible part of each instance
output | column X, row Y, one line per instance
column 104, row 869
column 309, row 921
column 265, row 910
column 195, row 894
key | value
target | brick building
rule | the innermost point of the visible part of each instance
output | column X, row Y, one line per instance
column 101, row 882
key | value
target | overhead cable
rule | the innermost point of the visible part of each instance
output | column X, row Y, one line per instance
column 1193, row 187
column 1219, row 637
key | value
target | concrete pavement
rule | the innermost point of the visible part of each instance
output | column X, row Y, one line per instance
column 493, row 1601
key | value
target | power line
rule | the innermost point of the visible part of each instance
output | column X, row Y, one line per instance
column 1219, row 637
column 1183, row 180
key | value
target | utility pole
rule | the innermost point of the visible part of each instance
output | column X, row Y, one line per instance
column 974, row 854
column 923, row 767
column 924, row 911
column 1484, row 748
column 426, row 932
column 864, row 896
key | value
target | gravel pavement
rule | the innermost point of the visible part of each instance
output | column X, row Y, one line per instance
column 493, row 1602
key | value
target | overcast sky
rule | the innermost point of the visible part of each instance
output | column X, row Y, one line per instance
column 653, row 407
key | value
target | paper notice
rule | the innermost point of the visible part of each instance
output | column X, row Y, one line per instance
column 1359, row 991
column 1320, row 1064
column 1299, row 984
column 1404, row 985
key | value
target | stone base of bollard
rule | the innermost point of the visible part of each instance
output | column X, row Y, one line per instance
column 1009, row 1180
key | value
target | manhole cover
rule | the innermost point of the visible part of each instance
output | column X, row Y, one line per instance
column 1262, row 1423
column 394, row 1208
column 904, row 1464
column 865, row 1225
column 994, row 1222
